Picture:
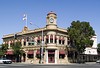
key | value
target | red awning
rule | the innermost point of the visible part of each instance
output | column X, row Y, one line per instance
column 9, row 52
column 38, row 52
column 30, row 52
column 61, row 52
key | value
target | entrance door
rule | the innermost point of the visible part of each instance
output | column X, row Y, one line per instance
column 51, row 56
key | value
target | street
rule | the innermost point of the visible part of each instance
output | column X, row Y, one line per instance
column 18, row 65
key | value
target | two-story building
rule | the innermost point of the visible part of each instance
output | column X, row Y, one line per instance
column 52, row 38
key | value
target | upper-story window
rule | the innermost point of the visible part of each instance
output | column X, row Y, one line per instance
column 47, row 39
column 39, row 40
column 51, row 38
column 55, row 39
column 61, row 40
column 24, row 42
column 31, row 42
column 11, row 43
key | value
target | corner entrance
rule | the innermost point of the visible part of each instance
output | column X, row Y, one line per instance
column 51, row 56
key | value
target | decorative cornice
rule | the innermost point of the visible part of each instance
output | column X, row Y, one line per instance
column 34, row 31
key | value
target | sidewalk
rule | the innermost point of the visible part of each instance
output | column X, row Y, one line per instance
column 58, row 64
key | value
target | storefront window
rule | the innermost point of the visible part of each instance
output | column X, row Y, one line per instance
column 30, row 56
column 61, row 56
column 38, row 56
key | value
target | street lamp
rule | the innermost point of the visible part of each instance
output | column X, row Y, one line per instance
column 41, row 47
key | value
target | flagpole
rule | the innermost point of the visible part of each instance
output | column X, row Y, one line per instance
column 26, row 20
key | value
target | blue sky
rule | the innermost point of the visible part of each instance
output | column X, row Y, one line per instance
column 11, row 14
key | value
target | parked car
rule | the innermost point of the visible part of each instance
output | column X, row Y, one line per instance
column 98, row 61
column 5, row 61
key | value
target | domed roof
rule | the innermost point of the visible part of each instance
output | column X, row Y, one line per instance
column 51, row 12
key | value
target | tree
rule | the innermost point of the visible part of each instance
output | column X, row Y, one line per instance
column 98, row 49
column 17, row 50
column 80, row 34
column 3, row 49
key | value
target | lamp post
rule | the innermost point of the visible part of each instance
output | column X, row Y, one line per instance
column 41, row 47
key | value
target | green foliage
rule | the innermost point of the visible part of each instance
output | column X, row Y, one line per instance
column 98, row 47
column 3, row 49
column 17, row 48
column 80, row 34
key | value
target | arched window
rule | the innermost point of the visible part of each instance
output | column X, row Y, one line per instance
column 51, row 38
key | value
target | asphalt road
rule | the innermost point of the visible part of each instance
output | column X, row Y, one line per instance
column 17, row 65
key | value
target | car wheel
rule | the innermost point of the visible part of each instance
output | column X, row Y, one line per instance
column 4, row 62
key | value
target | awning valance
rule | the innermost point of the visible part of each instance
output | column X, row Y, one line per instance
column 30, row 52
column 9, row 53
column 61, row 52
